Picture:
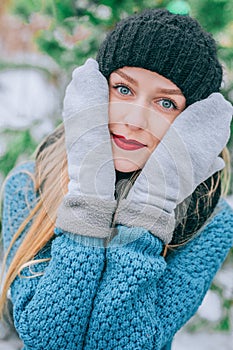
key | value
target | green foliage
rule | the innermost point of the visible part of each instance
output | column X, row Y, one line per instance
column 24, row 8
column 67, row 58
column 63, row 9
column 214, row 15
column 19, row 143
column 97, row 17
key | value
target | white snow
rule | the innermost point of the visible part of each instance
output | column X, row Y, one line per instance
column 225, row 280
column 211, row 307
column 202, row 341
column 26, row 98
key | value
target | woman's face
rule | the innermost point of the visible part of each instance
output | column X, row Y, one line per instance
column 143, row 104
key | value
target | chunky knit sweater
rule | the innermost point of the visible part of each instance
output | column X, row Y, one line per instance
column 126, row 297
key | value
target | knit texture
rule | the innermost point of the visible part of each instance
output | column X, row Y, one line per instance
column 126, row 297
column 51, row 312
column 172, row 45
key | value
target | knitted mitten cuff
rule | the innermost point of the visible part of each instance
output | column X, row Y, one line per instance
column 158, row 222
column 86, row 216
column 137, row 239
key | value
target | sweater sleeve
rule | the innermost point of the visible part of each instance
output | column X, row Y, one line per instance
column 144, row 300
column 190, row 271
column 52, row 308
column 125, row 314
column 18, row 200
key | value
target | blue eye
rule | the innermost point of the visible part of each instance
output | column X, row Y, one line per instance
column 123, row 90
column 167, row 104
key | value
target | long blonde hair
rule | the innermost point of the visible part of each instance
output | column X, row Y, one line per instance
column 50, row 181
column 51, row 184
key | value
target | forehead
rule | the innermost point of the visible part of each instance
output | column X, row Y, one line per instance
column 141, row 76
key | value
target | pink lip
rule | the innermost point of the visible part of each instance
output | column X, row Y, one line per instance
column 128, row 145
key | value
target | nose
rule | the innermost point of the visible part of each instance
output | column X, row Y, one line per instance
column 137, row 117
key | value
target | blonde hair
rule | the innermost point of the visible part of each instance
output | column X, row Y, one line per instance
column 51, row 181
column 51, row 184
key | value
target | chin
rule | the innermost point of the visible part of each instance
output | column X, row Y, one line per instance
column 126, row 166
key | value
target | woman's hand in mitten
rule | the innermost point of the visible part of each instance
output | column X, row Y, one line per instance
column 89, row 204
column 186, row 156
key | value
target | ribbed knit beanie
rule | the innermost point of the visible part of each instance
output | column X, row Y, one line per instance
column 172, row 45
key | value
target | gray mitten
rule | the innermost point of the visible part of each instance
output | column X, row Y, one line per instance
column 87, row 208
column 186, row 156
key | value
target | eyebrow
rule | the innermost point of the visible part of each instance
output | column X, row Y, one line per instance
column 126, row 76
column 171, row 91
column 161, row 90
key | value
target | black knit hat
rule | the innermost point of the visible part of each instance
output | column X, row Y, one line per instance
column 171, row 45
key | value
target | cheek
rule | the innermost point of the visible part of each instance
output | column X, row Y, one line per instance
column 112, row 109
column 117, row 111
column 158, row 128
column 112, row 113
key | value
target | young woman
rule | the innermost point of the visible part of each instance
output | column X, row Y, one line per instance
column 135, row 168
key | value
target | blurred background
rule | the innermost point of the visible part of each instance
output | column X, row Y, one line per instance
column 41, row 41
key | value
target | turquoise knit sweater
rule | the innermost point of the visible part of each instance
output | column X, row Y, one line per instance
column 126, row 297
